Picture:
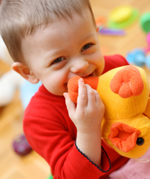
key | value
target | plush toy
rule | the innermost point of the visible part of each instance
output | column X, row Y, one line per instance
column 125, row 94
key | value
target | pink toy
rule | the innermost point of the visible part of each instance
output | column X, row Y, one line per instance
column 148, row 41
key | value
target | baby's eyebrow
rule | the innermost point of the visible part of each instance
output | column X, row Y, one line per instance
column 53, row 55
column 91, row 35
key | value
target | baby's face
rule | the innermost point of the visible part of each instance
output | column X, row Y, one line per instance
column 62, row 50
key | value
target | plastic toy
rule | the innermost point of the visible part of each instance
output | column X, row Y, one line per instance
column 145, row 22
column 125, row 94
column 121, row 14
column 147, row 49
column 108, row 31
column 139, row 58
column 50, row 177
column 21, row 145
column 148, row 61
column 101, row 21
column 27, row 90
column 102, row 29
column 122, row 17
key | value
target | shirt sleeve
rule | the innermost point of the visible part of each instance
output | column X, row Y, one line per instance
column 114, row 61
column 60, row 151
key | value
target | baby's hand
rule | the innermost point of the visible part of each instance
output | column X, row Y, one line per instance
column 88, row 113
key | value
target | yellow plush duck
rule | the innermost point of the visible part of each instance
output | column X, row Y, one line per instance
column 125, row 94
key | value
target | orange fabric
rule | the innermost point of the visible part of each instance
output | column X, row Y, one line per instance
column 73, row 86
column 123, row 136
column 131, row 84
column 127, row 82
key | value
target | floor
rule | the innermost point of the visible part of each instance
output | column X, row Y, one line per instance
column 33, row 166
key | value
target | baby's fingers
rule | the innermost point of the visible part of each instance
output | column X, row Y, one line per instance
column 91, row 93
column 99, row 102
column 97, row 97
column 94, row 100
column 70, row 105
column 82, row 94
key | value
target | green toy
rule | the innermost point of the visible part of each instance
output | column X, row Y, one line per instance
column 122, row 17
column 145, row 22
column 50, row 177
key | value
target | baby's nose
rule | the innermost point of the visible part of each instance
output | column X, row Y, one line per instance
column 79, row 66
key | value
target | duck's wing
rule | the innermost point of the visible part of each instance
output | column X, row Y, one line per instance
column 127, row 82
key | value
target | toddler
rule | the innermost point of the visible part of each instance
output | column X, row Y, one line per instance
column 51, row 41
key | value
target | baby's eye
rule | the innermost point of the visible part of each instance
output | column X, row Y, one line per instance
column 85, row 47
column 58, row 60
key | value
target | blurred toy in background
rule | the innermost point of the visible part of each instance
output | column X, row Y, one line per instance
column 4, row 55
column 122, row 17
column 141, row 56
column 138, row 57
column 104, row 30
column 27, row 90
column 145, row 22
column 10, row 81
column 108, row 31
column 147, row 49
column 119, row 19
column 100, row 21
column 145, row 25
column 21, row 145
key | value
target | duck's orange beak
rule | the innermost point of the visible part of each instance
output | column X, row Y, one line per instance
column 73, row 85
column 123, row 136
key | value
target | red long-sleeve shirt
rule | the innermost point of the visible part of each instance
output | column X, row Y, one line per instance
column 52, row 134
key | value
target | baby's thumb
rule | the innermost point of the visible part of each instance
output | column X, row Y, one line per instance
column 70, row 105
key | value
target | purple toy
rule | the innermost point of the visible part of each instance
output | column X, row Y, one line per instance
column 107, row 31
column 21, row 145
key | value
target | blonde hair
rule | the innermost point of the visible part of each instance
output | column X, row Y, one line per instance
column 21, row 17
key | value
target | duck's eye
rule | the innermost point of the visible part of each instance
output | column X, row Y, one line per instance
column 140, row 141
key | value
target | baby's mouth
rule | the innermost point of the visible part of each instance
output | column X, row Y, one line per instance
column 85, row 76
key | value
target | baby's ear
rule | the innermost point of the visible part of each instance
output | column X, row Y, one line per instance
column 25, row 72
